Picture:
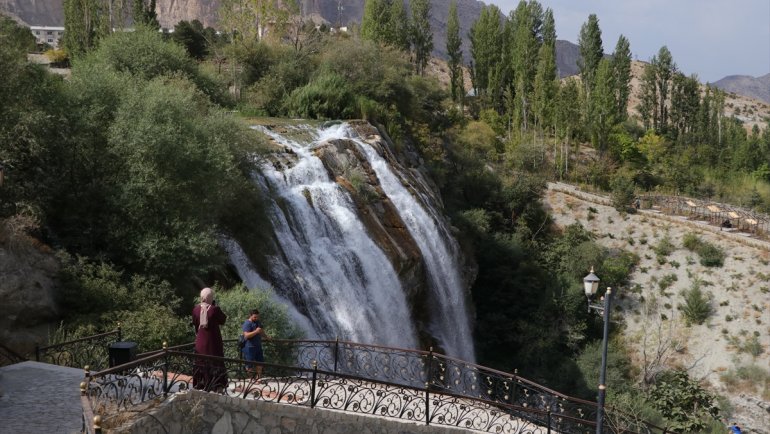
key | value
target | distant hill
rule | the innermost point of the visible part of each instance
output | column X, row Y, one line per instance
column 755, row 87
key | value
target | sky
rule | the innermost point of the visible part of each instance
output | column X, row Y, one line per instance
column 710, row 38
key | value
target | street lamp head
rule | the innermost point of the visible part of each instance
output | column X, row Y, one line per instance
column 590, row 284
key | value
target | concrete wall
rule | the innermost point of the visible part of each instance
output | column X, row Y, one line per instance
column 200, row 412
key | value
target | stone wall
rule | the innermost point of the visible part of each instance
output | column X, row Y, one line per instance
column 200, row 412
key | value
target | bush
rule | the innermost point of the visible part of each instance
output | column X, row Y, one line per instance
column 622, row 193
column 663, row 249
column 326, row 97
column 711, row 255
column 697, row 307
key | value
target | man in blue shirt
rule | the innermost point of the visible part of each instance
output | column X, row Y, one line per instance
column 252, row 352
column 735, row 429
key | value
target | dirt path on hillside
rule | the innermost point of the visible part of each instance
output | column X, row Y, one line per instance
column 739, row 293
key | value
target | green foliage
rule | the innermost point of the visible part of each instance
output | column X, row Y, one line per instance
column 86, row 22
column 236, row 302
column 144, row 14
column 95, row 296
column 421, row 37
column 710, row 255
column 16, row 37
column 623, row 193
column 326, row 97
column 697, row 307
column 591, row 51
column 454, row 51
column 663, row 249
column 486, row 36
column 684, row 403
column 619, row 366
column 194, row 38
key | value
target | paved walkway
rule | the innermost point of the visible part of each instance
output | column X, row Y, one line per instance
column 40, row 398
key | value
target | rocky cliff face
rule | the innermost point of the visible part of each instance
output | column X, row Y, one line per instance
column 27, row 287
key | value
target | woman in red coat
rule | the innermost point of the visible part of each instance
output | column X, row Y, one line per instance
column 207, row 317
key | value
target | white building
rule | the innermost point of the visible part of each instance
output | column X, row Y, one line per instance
column 47, row 35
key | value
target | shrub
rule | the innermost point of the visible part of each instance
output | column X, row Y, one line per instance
column 697, row 307
column 711, row 255
column 622, row 193
column 327, row 97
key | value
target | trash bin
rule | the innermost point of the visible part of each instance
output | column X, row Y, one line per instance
column 122, row 352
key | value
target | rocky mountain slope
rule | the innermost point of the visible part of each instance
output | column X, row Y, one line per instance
column 735, row 338
column 755, row 87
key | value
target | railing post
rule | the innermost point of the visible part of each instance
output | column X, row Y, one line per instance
column 312, row 384
column 120, row 332
column 97, row 424
column 37, row 353
column 427, row 403
column 336, row 352
column 430, row 367
column 549, row 421
column 165, row 368
column 513, row 386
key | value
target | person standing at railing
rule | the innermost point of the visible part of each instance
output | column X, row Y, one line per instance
column 253, row 332
column 207, row 317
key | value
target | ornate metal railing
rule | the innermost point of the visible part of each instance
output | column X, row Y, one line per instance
column 151, row 379
column 90, row 351
column 9, row 357
column 349, row 376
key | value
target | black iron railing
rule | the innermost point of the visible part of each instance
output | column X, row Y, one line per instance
column 407, row 384
column 90, row 351
column 9, row 357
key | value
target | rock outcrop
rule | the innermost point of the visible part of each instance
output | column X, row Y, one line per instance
column 28, row 282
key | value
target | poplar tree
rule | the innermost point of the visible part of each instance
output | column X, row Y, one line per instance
column 398, row 26
column 591, row 51
column 85, row 22
column 454, row 51
column 621, row 74
column 373, row 23
column 421, row 36
column 648, row 96
column 144, row 13
column 546, row 85
column 665, row 68
column 527, row 21
column 486, row 36
column 603, row 106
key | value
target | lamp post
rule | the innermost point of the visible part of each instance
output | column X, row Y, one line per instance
column 591, row 284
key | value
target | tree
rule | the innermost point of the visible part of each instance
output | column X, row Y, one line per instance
column 85, row 22
column 398, row 26
column 591, row 51
column 486, row 36
column 373, row 23
column 454, row 51
column 603, row 106
column 648, row 96
column 190, row 35
column 546, row 85
column 687, row 406
column 422, row 38
column 664, row 70
column 527, row 22
column 145, row 14
column 621, row 75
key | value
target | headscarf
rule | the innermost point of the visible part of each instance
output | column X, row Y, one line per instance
column 207, row 297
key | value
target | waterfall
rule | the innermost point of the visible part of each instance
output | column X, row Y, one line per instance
column 451, row 325
column 344, row 283
column 331, row 269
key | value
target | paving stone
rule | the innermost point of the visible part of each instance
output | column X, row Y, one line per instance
column 38, row 397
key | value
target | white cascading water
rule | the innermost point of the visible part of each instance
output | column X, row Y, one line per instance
column 451, row 325
column 349, row 288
